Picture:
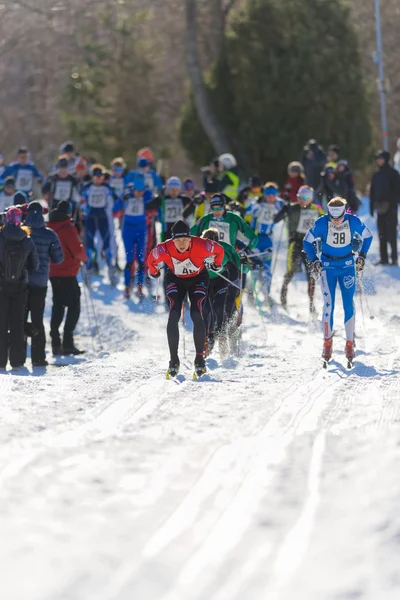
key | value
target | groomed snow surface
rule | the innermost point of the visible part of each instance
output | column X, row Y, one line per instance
column 269, row 479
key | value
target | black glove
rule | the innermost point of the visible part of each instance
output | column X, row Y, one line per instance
column 316, row 268
column 155, row 276
column 243, row 257
column 213, row 267
column 360, row 262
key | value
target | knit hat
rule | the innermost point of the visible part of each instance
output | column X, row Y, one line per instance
column 174, row 182
column 61, row 212
column 20, row 198
column 9, row 181
column 383, row 154
column 180, row 229
column 14, row 216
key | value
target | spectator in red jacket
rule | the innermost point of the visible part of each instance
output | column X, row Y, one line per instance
column 296, row 180
column 63, row 278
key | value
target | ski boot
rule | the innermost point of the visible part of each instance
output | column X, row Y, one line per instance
column 173, row 369
column 127, row 292
column 327, row 351
column 199, row 366
column 350, row 354
column 72, row 351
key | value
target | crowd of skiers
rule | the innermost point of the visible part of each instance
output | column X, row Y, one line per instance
column 92, row 211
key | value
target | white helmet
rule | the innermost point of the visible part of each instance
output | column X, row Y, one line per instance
column 228, row 160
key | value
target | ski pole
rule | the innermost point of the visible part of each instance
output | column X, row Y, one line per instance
column 260, row 309
column 363, row 295
column 361, row 299
column 269, row 251
column 277, row 250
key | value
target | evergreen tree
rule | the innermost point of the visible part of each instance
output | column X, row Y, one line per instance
column 291, row 71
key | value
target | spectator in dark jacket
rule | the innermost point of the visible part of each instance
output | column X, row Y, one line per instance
column 313, row 159
column 63, row 278
column 332, row 184
column 48, row 247
column 296, row 179
column 18, row 258
column 384, row 197
column 343, row 168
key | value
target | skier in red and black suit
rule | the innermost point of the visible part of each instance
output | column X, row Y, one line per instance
column 185, row 256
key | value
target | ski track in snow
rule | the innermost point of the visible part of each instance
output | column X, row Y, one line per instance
column 270, row 478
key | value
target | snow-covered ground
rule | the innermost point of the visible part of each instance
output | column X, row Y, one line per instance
column 270, row 479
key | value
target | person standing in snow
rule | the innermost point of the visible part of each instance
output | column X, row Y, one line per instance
column 184, row 256
column 63, row 278
column 49, row 248
column 340, row 235
column 313, row 159
column 397, row 157
column 18, row 258
column 384, row 199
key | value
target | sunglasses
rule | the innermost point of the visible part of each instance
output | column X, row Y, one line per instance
column 305, row 198
column 217, row 208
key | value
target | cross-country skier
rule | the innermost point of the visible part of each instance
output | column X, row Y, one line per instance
column 63, row 186
column 23, row 171
column 133, row 205
column 185, row 256
column 228, row 224
column 220, row 307
column 98, row 206
column 340, row 236
column 260, row 216
column 117, row 179
column 301, row 217
column 150, row 176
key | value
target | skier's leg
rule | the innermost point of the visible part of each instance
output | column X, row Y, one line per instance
column 90, row 231
column 140, row 254
column 310, row 282
column 328, row 287
column 17, row 332
column 382, row 238
column 104, row 229
column 127, row 238
column 73, row 298
column 347, row 282
column 5, row 301
column 198, row 295
column 392, row 233
column 57, row 311
column 292, row 264
column 175, row 294
column 220, row 293
column 37, row 299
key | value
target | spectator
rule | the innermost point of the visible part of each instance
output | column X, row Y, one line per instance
column 385, row 196
column 333, row 155
column 49, row 249
column 295, row 172
column 344, row 171
column 63, row 278
column 18, row 257
column 332, row 184
column 313, row 159
column 397, row 157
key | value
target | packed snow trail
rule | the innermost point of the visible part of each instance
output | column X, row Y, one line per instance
column 268, row 478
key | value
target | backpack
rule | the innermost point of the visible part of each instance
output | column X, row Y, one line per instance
column 14, row 261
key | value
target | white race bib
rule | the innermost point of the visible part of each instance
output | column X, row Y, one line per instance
column 173, row 210
column 340, row 236
column 63, row 190
column 117, row 184
column 266, row 215
column 223, row 231
column 149, row 181
column 135, row 207
column 307, row 219
column 185, row 267
column 24, row 180
column 97, row 197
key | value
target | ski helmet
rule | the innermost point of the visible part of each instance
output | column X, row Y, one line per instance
column 13, row 216
column 337, row 208
column 305, row 193
column 228, row 161
column 173, row 182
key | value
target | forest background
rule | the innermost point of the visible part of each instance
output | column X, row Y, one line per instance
column 193, row 78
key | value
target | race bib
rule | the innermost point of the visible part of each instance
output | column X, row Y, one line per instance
column 117, row 184
column 266, row 215
column 97, row 197
column 63, row 190
column 173, row 210
column 339, row 236
column 135, row 207
column 223, row 231
column 185, row 267
column 307, row 219
column 24, row 180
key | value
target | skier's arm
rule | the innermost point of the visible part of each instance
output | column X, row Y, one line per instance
column 367, row 239
column 8, row 171
column 197, row 228
column 281, row 214
column 248, row 232
column 156, row 256
column 32, row 263
column 309, row 240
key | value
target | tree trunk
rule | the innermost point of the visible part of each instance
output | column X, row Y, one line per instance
column 207, row 116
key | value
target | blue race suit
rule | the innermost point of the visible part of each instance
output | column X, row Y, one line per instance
column 338, row 244
column 134, row 232
column 98, row 206
column 261, row 215
column 151, row 179
column 24, row 175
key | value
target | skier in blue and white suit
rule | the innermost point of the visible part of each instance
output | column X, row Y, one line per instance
column 133, row 205
column 338, row 236
column 23, row 171
column 260, row 215
column 150, row 176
